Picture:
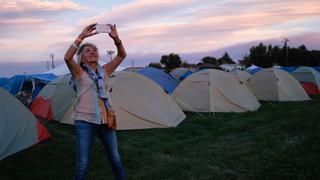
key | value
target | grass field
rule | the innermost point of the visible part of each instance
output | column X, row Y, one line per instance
column 279, row 141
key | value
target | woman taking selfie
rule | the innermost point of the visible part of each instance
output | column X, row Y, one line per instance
column 93, row 106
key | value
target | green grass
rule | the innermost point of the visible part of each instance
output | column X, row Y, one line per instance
column 279, row 141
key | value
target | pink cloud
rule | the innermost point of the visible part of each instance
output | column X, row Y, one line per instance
column 33, row 12
column 22, row 22
column 37, row 5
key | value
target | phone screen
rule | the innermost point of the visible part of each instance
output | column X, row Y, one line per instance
column 103, row 28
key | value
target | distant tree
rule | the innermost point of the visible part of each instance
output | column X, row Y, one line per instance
column 314, row 58
column 170, row 61
column 155, row 65
column 225, row 59
column 246, row 61
column 209, row 60
column 277, row 56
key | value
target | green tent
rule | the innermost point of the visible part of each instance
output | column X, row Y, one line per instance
column 19, row 129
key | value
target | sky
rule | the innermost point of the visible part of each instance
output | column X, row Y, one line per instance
column 31, row 29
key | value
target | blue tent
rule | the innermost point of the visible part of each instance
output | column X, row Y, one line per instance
column 316, row 68
column 4, row 83
column 166, row 81
column 253, row 70
column 185, row 75
column 16, row 83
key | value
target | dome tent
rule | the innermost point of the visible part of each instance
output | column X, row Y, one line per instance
column 309, row 78
column 214, row 91
column 141, row 103
column 19, row 129
column 54, row 100
column 276, row 85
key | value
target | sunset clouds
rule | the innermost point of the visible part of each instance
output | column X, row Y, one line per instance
column 37, row 27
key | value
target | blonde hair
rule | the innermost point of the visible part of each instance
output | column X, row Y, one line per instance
column 80, row 51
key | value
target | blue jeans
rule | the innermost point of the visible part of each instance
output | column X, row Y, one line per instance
column 85, row 134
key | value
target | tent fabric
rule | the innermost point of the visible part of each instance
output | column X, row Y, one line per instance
column 310, row 88
column 306, row 75
column 180, row 73
column 139, row 103
column 19, row 129
column 253, row 69
column 4, row 83
column 132, row 69
column 214, row 91
column 160, row 77
column 54, row 100
column 289, row 69
column 316, row 68
column 243, row 76
column 276, row 85
column 42, row 108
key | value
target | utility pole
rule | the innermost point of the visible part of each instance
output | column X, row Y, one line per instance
column 286, row 45
column 51, row 56
column 110, row 53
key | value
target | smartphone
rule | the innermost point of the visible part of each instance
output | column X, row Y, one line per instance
column 103, row 28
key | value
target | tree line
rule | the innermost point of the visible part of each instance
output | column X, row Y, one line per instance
column 260, row 55
column 267, row 56
column 171, row 61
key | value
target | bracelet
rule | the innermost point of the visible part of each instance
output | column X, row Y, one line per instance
column 79, row 39
column 74, row 46
column 118, row 44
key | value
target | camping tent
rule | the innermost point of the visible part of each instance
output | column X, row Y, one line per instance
column 180, row 73
column 139, row 103
column 165, row 80
column 309, row 79
column 214, row 91
column 243, row 76
column 54, row 100
column 15, row 83
column 26, row 87
column 276, row 85
column 19, row 129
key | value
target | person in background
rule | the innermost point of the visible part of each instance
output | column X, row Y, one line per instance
column 92, row 103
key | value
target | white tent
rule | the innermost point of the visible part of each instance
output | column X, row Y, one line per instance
column 140, row 103
column 276, row 85
column 214, row 91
